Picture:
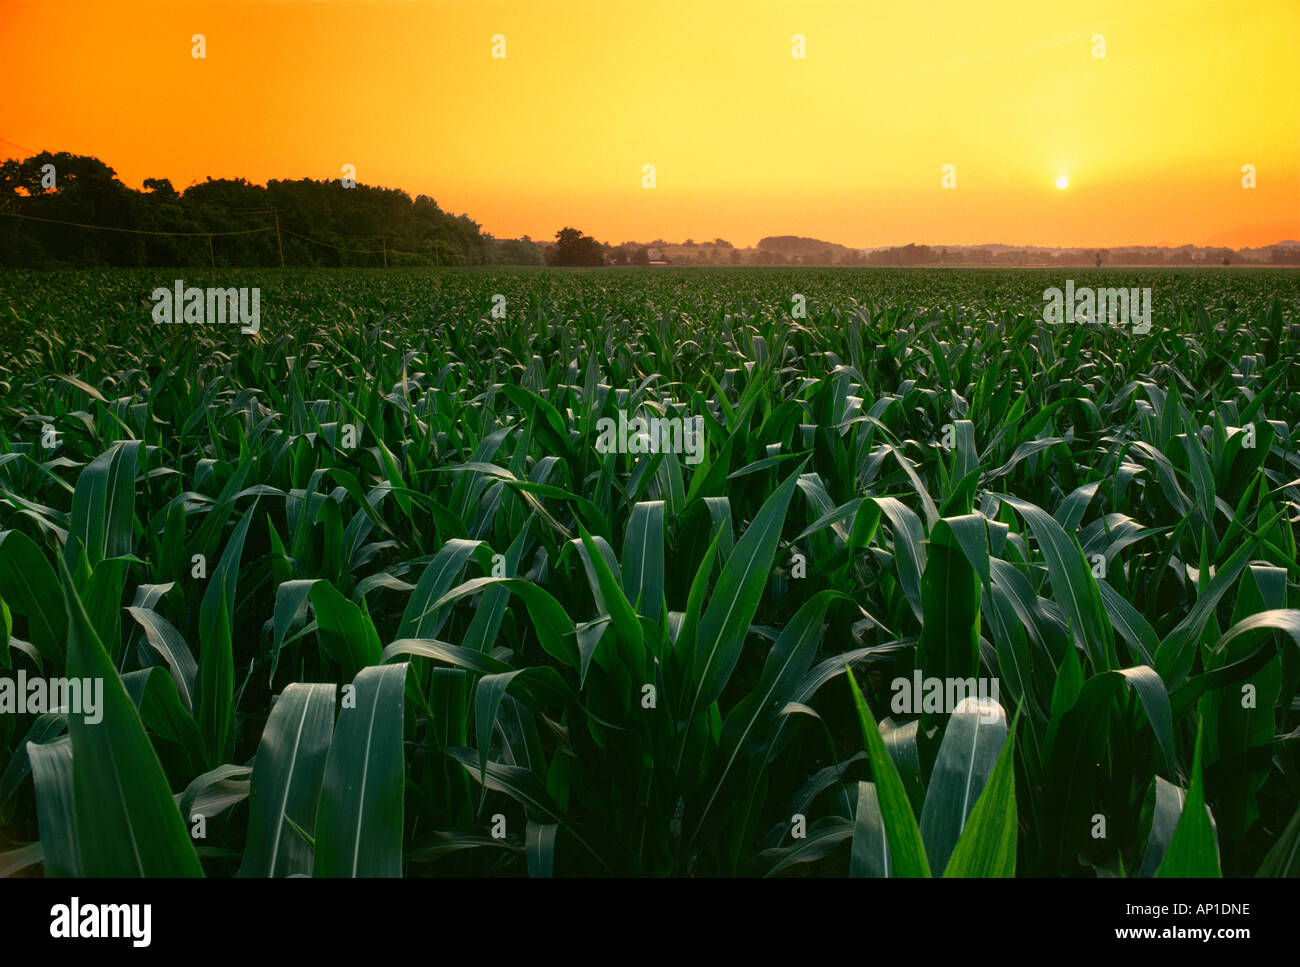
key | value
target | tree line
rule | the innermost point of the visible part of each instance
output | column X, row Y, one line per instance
column 228, row 222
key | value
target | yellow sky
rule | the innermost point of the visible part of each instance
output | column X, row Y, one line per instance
column 846, row 144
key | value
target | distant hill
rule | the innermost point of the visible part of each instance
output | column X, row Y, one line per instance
column 795, row 246
column 800, row 250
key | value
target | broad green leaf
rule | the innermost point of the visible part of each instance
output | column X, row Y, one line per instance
column 1073, row 586
column 29, row 586
column 822, row 837
column 950, row 610
column 735, row 598
column 487, row 701
column 909, row 549
column 286, row 782
column 103, row 506
column 127, row 822
column 1166, row 809
column 155, row 695
column 1193, row 850
column 516, row 782
column 870, row 853
column 291, row 599
column 424, row 615
column 971, row 746
column 552, row 623
column 749, row 726
column 540, row 849
column 346, row 634
column 52, row 775
column 643, row 558
column 171, row 647
column 215, row 791
column 905, row 844
column 987, row 847
column 215, row 687
column 359, row 820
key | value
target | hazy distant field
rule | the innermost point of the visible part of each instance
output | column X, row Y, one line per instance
column 418, row 295
column 577, row 661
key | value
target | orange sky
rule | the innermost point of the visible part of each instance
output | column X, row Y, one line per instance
column 846, row 144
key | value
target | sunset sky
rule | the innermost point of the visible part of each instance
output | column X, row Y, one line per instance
column 846, row 144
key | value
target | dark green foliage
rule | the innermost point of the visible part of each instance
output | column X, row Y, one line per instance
column 371, row 600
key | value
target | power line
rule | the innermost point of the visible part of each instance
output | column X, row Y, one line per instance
column 364, row 251
column 383, row 251
column 134, row 231
column 17, row 145
column 249, row 231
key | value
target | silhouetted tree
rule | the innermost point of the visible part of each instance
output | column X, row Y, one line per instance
column 573, row 248
column 162, row 187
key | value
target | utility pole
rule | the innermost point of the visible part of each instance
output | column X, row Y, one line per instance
column 279, row 244
column 384, row 242
column 211, row 254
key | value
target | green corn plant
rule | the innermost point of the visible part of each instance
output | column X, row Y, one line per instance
column 369, row 595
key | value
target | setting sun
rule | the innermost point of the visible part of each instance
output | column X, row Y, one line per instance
column 1062, row 182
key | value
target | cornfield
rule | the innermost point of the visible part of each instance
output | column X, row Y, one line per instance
column 367, row 598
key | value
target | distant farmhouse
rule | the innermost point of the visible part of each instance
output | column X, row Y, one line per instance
column 657, row 257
